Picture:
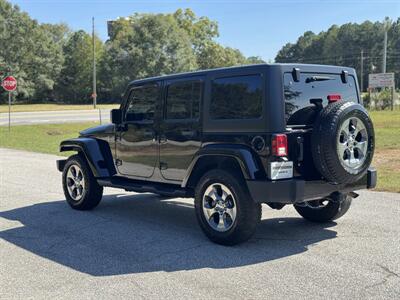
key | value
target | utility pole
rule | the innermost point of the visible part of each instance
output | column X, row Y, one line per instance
column 94, row 94
column 362, row 71
column 386, row 26
column 384, row 52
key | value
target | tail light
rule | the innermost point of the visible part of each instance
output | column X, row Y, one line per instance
column 279, row 145
column 334, row 98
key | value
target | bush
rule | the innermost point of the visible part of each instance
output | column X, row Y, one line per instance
column 378, row 100
column 366, row 100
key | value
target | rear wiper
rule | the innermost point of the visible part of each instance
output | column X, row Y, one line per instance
column 317, row 78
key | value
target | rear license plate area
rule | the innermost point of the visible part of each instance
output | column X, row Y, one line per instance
column 280, row 170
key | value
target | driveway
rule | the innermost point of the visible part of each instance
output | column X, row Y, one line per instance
column 145, row 246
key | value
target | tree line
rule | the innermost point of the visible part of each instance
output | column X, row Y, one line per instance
column 349, row 45
column 54, row 63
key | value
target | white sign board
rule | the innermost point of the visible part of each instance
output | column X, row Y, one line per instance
column 379, row 80
column 280, row 170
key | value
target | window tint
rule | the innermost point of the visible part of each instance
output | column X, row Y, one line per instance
column 183, row 100
column 298, row 108
column 141, row 103
column 238, row 97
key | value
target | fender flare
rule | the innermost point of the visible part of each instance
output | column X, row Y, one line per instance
column 249, row 163
column 97, row 154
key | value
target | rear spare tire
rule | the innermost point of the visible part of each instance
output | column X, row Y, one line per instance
column 342, row 142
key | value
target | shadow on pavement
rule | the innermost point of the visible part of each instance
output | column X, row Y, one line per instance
column 147, row 234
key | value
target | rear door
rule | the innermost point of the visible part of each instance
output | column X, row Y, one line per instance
column 180, row 127
column 303, row 101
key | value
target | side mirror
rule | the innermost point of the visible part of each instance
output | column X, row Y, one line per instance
column 116, row 116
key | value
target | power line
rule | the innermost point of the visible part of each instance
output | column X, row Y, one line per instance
column 336, row 58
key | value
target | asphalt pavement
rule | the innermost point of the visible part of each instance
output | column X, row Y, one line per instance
column 54, row 117
column 144, row 246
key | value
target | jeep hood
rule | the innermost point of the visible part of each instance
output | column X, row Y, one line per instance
column 98, row 130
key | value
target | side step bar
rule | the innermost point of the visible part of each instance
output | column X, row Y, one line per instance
column 142, row 186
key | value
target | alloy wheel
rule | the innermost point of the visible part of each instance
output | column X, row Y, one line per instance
column 219, row 207
column 352, row 143
column 75, row 182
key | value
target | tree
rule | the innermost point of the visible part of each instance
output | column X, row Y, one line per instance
column 144, row 45
column 75, row 81
column 52, row 63
column 342, row 45
column 29, row 50
column 214, row 56
column 255, row 60
column 202, row 33
column 200, row 30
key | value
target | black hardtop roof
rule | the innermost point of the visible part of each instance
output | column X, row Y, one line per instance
column 284, row 67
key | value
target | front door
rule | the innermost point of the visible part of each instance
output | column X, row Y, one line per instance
column 137, row 146
column 180, row 127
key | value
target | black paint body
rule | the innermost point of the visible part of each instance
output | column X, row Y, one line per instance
column 169, row 156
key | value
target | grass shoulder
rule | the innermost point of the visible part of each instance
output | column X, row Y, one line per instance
column 53, row 107
column 44, row 138
column 387, row 149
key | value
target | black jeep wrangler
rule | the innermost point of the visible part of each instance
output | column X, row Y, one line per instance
column 232, row 138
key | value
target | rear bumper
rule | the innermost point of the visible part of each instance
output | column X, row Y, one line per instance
column 296, row 190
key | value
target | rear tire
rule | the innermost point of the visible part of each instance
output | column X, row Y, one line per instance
column 81, row 189
column 228, row 216
column 316, row 211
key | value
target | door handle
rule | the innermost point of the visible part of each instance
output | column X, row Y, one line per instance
column 148, row 134
column 189, row 133
column 163, row 139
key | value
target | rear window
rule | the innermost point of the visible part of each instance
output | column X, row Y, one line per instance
column 237, row 97
column 312, row 86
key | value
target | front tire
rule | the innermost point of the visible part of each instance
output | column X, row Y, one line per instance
column 324, row 210
column 81, row 189
column 224, row 209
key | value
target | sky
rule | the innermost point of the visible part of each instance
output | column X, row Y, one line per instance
column 255, row 27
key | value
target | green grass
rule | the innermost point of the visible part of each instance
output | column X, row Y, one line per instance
column 387, row 129
column 387, row 150
column 52, row 107
column 46, row 139
column 385, row 118
column 40, row 138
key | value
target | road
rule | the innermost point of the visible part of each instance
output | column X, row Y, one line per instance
column 54, row 117
column 143, row 246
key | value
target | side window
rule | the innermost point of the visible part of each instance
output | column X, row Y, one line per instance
column 183, row 100
column 141, row 103
column 238, row 97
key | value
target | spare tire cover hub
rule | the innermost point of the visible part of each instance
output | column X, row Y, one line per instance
column 352, row 143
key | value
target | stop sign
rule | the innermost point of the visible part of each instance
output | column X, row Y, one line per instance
column 9, row 83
